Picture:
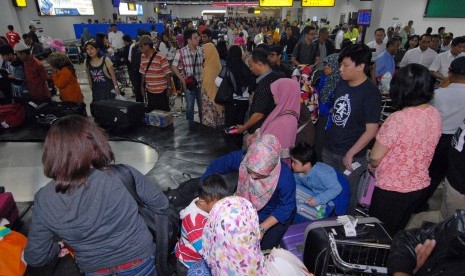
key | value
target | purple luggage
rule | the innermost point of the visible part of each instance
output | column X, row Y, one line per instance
column 8, row 208
column 294, row 241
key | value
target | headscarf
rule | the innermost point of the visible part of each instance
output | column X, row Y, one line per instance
column 231, row 239
column 211, row 69
column 282, row 121
column 331, row 80
column 263, row 157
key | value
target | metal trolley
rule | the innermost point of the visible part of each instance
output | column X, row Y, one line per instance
column 357, row 258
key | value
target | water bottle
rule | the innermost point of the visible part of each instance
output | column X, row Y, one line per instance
column 321, row 211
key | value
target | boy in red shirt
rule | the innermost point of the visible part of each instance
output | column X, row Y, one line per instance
column 194, row 217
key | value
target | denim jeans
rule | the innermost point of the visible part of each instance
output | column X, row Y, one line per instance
column 146, row 268
column 191, row 96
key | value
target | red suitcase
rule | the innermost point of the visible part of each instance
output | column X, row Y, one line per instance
column 8, row 208
column 294, row 240
column 12, row 115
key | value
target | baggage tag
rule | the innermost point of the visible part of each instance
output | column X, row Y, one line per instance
column 355, row 166
column 349, row 225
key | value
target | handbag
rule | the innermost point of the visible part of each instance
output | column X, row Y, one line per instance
column 164, row 226
column 191, row 82
column 224, row 94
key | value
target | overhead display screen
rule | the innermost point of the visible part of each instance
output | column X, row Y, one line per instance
column 318, row 3
column 275, row 3
column 445, row 8
column 125, row 9
column 65, row 7
column 364, row 17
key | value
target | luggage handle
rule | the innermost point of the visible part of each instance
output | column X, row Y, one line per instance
column 345, row 266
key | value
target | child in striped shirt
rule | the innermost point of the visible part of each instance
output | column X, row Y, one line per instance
column 194, row 217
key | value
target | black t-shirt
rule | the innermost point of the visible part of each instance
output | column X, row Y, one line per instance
column 306, row 53
column 456, row 168
column 262, row 101
column 354, row 107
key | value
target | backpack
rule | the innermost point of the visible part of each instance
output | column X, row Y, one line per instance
column 183, row 195
column 164, row 226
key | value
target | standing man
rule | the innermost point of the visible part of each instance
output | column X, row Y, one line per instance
column 325, row 46
column 445, row 45
column 289, row 41
column 450, row 102
column 274, row 57
column 115, row 38
column 12, row 36
column 156, row 76
column 36, row 75
column 189, row 61
column 32, row 34
column 378, row 43
column 440, row 66
column 411, row 29
column 422, row 54
column 355, row 121
column 385, row 61
column 352, row 33
column 36, row 48
column 262, row 101
column 340, row 36
column 435, row 44
column 306, row 52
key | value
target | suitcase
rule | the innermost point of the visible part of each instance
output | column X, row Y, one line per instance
column 293, row 240
column 47, row 113
column 12, row 115
column 365, row 190
column 8, row 208
column 327, row 251
column 118, row 114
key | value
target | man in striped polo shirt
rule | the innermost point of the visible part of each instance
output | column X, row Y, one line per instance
column 156, row 76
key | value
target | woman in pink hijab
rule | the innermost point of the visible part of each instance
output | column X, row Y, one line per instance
column 282, row 121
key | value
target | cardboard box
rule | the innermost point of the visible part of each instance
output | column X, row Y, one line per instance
column 159, row 118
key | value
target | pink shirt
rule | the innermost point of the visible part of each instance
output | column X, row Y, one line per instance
column 411, row 135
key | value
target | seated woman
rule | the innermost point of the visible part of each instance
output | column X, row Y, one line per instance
column 65, row 78
column 404, row 148
column 88, row 206
column 266, row 182
column 233, row 230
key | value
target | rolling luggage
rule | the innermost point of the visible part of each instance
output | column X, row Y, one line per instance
column 328, row 251
column 8, row 208
column 118, row 114
column 293, row 240
column 47, row 113
column 365, row 190
column 12, row 115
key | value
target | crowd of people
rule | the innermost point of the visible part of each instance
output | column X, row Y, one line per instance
column 274, row 79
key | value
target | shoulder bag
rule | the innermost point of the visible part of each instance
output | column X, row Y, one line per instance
column 224, row 94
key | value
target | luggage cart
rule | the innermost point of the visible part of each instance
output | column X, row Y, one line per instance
column 357, row 258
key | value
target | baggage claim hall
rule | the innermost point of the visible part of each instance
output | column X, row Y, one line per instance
column 270, row 137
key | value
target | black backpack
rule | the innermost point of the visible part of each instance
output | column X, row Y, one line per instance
column 183, row 195
column 165, row 226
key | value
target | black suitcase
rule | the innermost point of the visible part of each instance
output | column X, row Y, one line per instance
column 118, row 114
column 47, row 113
column 327, row 250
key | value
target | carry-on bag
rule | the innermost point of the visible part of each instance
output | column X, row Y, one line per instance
column 47, row 113
column 118, row 114
column 365, row 190
column 8, row 208
column 328, row 251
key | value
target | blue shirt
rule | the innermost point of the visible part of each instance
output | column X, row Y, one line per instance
column 322, row 180
column 385, row 63
column 281, row 204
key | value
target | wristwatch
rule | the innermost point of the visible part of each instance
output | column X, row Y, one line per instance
column 262, row 229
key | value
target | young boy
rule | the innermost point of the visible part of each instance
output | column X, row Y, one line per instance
column 194, row 217
column 319, row 181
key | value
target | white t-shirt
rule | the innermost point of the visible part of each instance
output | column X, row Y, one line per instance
column 450, row 102
column 416, row 55
column 442, row 62
column 379, row 48
column 116, row 39
column 339, row 39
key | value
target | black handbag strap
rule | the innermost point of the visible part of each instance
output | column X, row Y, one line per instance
column 150, row 61
column 195, row 62
column 128, row 180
